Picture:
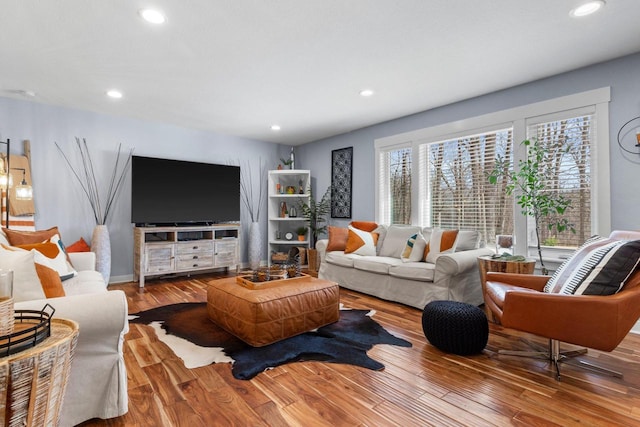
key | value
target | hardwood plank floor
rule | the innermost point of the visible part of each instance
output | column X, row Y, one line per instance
column 420, row 386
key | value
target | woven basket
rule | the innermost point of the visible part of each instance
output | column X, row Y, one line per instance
column 6, row 316
column 33, row 382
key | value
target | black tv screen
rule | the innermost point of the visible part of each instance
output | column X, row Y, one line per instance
column 175, row 192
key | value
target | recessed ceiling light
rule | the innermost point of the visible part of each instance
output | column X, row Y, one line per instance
column 587, row 8
column 275, row 127
column 152, row 15
column 115, row 94
column 366, row 92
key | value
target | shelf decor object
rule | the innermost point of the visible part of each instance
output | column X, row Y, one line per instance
column 341, row 181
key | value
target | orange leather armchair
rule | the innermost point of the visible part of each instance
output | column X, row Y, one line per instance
column 600, row 322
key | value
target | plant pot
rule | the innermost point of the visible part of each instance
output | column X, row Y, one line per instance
column 301, row 238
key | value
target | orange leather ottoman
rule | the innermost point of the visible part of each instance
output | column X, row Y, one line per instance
column 266, row 315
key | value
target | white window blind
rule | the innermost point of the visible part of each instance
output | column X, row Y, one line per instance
column 395, row 186
column 567, row 168
column 455, row 192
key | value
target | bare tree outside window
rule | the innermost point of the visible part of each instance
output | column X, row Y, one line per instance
column 460, row 195
column 400, row 185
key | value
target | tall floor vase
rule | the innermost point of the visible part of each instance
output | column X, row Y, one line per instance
column 101, row 246
column 255, row 245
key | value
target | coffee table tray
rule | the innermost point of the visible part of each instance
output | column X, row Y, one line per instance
column 248, row 282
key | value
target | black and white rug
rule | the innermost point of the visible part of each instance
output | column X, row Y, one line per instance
column 187, row 330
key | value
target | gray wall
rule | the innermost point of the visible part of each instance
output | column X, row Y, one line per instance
column 60, row 202
column 58, row 198
column 622, row 75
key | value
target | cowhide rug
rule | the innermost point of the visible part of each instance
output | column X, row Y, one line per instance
column 187, row 330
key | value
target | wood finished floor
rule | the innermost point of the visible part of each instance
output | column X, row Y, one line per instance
column 420, row 386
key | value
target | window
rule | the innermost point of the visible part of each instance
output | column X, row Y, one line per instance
column 567, row 142
column 437, row 176
column 395, row 178
column 455, row 192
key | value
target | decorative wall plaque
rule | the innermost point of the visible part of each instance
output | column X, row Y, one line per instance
column 341, row 179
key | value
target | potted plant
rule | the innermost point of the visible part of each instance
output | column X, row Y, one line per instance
column 302, row 232
column 528, row 184
column 316, row 214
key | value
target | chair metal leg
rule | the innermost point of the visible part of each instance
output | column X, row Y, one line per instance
column 554, row 355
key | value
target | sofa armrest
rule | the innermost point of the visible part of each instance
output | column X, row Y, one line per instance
column 102, row 316
column 83, row 260
column 97, row 386
column 321, row 247
column 460, row 262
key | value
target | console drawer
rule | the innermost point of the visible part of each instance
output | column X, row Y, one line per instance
column 195, row 247
column 187, row 262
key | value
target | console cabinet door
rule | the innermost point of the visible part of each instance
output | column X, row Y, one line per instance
column 159, row 258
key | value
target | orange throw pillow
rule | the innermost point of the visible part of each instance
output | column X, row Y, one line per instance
column 17, row 237
column 50, row 281
column 337, row 238
column 364, row 225
column 48, row 249
column 79, row 246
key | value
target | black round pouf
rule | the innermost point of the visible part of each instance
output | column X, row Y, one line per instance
column 455, row 327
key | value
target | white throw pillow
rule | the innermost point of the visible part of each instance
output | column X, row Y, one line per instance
column 361, row 242
column 26, row 283
column 414, row 251
column 441, row 242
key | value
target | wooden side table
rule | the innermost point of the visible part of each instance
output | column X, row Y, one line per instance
column 33, row 381
column 486, row 264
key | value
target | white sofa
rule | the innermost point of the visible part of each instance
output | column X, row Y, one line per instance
column 97, row 386
column 454, row 276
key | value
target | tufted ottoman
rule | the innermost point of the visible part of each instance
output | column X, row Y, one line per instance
column 455, row 327
column 266, row 315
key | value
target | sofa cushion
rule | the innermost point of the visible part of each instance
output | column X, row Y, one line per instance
column 364, row 225
column 19, row 237
column 78, row 246
column 396, row 239
column 441, row 242
column 467, row 240
column 26, row 283
column 601, row 267
column 420, row 271
column 361, row 242
column 382, row 233
column 571, row 264
column 340, row 258
column 86, row 282
column 337, row 238
column 49, row 280
column 375, row 264
column 414, row 250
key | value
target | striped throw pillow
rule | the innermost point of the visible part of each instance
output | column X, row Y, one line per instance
column 599, row 267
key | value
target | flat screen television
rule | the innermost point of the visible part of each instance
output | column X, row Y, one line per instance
column 176, row 192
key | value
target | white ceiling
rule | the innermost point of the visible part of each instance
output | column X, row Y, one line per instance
column 238, row 66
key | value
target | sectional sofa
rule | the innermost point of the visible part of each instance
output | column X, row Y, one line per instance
column 450, row 275
column 97, row 384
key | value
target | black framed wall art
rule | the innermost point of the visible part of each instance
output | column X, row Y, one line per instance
column 341, row 179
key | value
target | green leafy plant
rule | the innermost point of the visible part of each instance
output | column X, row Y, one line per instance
column 316, row 213
column 528, row 183
column 301, row 231
column 286, row 162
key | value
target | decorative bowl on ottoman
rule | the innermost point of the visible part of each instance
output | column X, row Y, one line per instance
column 455, row 327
